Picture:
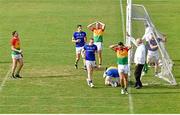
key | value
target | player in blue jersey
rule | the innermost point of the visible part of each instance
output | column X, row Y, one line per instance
column 79, row 38
column 111, row 76
column 89, row 50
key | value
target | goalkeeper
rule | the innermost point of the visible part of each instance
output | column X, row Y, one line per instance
column 111, row 76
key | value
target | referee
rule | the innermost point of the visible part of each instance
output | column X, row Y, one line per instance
column 139, row 59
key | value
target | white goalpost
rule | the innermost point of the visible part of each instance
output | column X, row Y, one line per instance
column 128, row 30
column 138, row 13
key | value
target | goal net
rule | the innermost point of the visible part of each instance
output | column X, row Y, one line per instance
column 142, row 26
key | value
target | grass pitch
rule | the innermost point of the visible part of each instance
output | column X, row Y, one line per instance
column 50, row 83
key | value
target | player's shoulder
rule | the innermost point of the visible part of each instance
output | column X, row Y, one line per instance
column 85, row 45
column 83, row 32
column 94, row 45
column 13, row 38
column 75, row 32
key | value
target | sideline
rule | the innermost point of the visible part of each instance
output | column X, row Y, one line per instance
column 4, row 80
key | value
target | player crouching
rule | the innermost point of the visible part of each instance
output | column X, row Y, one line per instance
column 111, row 76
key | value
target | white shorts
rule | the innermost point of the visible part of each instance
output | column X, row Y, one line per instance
column 99, row 45
column 109, row 79
column 123, row 69
column 90, row 63
column 153, row 56
column 79, row 50
column 17, row 56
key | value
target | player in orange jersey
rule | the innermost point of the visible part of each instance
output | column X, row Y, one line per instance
column 16, row 54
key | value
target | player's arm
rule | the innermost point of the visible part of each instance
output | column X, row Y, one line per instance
column 113, row 47
column 16, row 50
column 132, row 39
column 91, row 26
column 164, row 38
column 153, row 47
column 129, row 47
column 85, row 39
column 102, row 24
column 83, row 52
column 75, row 41
column 13, row 47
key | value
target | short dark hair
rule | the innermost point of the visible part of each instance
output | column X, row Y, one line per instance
column 79, row 25
column 91, row 38
column 13, row 32
column 121, row 44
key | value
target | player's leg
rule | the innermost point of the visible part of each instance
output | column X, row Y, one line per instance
column 125, row 83
column 125, row 72
column 100, row 58
column 120, row 71
column 156, row 67
column 122, row 82
column 84, row 61
column 78, row 54
column 99, row 53
column 149, row 58
column 108, row 80
column 14, row 65
column 89, row 73
column 117, row 80
column 21, row 63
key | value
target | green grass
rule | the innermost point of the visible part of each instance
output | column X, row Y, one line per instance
column 50, row 83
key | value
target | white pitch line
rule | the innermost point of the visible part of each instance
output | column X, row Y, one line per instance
column 4, row 80
column 131, row 107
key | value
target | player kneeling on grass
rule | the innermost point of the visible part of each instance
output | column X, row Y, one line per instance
column 16, row 55
column 111, row 76
column 89, row 51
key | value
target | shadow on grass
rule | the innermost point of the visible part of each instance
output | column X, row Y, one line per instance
column 52, row 76
column 5, row 62
column 157, row 89
column 97, row 69
column 162, row 86
column 157, row 93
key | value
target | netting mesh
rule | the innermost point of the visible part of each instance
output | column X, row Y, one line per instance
column 140, row 19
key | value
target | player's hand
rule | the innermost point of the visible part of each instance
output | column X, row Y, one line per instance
column 20, row 51
column 22, row 54
column 78, row 40
column 127, row 34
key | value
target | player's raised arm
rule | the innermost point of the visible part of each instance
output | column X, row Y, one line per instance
column 102, row 25
column 132, row 39
column 91, row 26
column 129, row 47
column 113, row 47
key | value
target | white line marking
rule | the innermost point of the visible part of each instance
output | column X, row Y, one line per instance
column 4, row 80
column 131, row 107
